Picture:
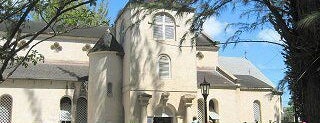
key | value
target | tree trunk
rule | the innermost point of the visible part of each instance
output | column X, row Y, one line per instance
column 302, row 56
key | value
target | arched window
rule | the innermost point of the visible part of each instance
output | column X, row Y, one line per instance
column 164, row 69
column 5, row 109
column 164, row 27
column 122, row 32
column 201, row 110
column 65, row 110
column 81, row 110
column 109, row 90
column 257, row 111
column 213, row 110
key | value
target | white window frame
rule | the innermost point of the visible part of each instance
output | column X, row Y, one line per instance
column 158, row 67
column 163, row 25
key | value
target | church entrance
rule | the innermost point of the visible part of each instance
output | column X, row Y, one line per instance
column 163, row 114
column 162, row 120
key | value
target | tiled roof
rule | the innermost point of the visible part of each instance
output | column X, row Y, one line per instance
column 204, row 43
column 203, row 40
column 241, row 66
column 107, row 43
column 248, row 81
column 214, row 78
column 52, row 72
column 31, row 27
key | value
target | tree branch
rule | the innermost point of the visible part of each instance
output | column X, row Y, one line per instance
column 53, row 19
column 26, row 55
column 278, row 18
column 13, row 13
column 59, row 12
column 253, row 41
column 17, row 26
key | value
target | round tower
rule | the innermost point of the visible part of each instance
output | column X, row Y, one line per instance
column 105, row 82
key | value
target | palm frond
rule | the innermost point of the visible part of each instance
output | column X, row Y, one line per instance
column 310, row 20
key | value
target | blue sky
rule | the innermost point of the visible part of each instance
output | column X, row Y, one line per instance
column 267, row 57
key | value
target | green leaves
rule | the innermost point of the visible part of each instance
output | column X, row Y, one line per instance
column 310, row 20
column 58, row 17
column 82, row 17
column 33, row 58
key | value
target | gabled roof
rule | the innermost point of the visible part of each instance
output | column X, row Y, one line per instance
column 241, row 66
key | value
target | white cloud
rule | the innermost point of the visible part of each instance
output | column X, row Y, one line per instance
column 269, row 35
column 213, row 27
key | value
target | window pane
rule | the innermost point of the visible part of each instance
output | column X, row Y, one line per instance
column 157, row 31
column 169, row 32
column 82, row 110
column 158, row 18
column 5, row 109
column 256, row 112
column 109, row 90
column 163, row 64
column 164, row 67
column 200, row 110
column 65, row 109
column 168, row 19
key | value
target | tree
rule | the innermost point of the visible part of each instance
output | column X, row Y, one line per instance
column 288, row 116
column 58, row 16
column 295, row 20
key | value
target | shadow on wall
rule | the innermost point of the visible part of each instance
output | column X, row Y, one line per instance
column 100, row 105
column 272, row 97
column 142, row 67
column 73, row 74
column 276, row 115
column 34, row 106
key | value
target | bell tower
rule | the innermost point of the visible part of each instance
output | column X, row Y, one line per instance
column 159, row 57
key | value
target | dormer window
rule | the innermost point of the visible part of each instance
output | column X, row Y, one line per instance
column 164, row 27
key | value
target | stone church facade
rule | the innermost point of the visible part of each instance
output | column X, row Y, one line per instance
column 137, row 73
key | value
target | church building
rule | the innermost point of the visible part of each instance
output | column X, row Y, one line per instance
column 145, row 69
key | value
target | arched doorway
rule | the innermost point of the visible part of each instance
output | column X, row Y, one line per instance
column 164, row 114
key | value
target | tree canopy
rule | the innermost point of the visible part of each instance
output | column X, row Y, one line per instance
column 58, row 16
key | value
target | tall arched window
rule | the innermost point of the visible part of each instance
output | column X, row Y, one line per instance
column 164, row 27
column 201, row 110
column 5, row 109
column 81, row 110
column 65, row 110
column 122, row 32
column 257, row 111
column 164, row 65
